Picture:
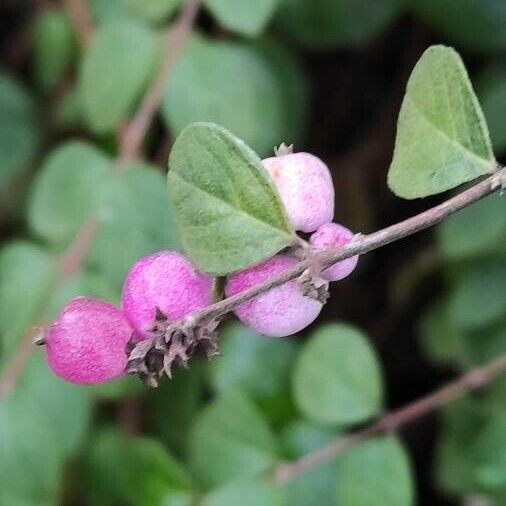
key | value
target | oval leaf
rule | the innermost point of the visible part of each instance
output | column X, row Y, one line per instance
column 247, row 18
column 230, row 440
column 337, row 378
column 376, row 473
column 228, row 212
column 115, row 69
column 442, row 137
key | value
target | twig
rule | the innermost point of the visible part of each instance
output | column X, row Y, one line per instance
column 361, row 244
column 80, row 17
column 135, row 131
column 471, row 381
column 71, row 260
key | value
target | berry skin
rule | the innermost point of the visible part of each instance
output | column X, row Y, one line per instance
column 333, row 235
column 280, row 312
column 166, row 280
column 86, row 345
column 305, row 186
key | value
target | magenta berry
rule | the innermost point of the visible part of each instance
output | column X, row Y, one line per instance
column 333, row 235
column 164, row 280
column 86, row 345
column 305, row 186
column 280, row 312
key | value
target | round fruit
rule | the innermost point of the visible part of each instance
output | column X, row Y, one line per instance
column 280, row 312
column 333, row 235
column 86, row 345
column 167, row 281
column 305, row 186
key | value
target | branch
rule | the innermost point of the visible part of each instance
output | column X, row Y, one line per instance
column 79, row 13
column 476, row 378
column 135, row 131
column 361, row 244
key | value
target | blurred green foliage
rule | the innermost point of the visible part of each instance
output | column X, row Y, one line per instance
column 213, row 435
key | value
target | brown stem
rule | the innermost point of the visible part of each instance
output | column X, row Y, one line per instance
column 135, row 131
column 471, row 381
column 80, row 17
column 361, row 244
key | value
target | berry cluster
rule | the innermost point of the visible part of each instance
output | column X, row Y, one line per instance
column 93, row 342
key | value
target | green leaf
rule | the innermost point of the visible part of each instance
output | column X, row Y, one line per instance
column 337, row 377
column 173, row 406
column 245, row 493
column 200, row 90
column 442, row 138
column 53, row 47
column 478, row 298
column 375, row 473
column 492, row 94
column 135, row 471
column 42, row 422
column 455, row 464
column 317, row 486
column 66, row 192
column 116, row 67
column 484, row 344
column 475, row 24
column 474, row 231
column 252, row 363
column 18, row 133
column 27, row 274
column 105, row 11
column 230, row 441
column 153, row 10
column 228, row 212
column 440, row 339
column 134, row 204
column 246, row 18
column 326, row 24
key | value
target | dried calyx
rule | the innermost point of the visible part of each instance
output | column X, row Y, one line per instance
column 172, row 345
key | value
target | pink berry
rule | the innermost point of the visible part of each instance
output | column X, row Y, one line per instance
column 86, row 345
column 305, row 186
column 164, row 280
column 282, row 311
column 333, row 235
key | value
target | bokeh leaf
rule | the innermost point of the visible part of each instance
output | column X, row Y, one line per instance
column 230, row 441
column 478, row 298
column 477, row 25
column 246, row 493
column 27, row 274
column 53, row 47
column 317, row 486
column 246, row 18
column 375, row 473
column 18, row 132
column 252, row 363
column 229, row 214
column 326, row 24
column 42, row 422
column 134, row 204
column 256, row 107
column 116, row 67
column 474, row 231
column 66, row 192
column 492, row 94
column 337, row 377
column 442, row 138
column 135, row 471
column 153, row 10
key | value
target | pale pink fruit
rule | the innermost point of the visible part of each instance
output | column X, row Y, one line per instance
column 305, row 186
column 280, row 312
column 164, row 280
column 86, row 345
column 333, row 235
